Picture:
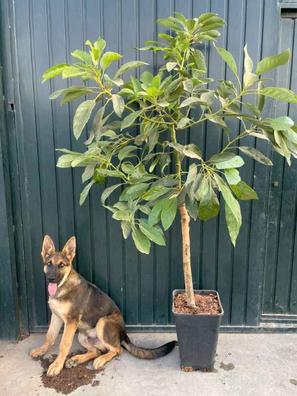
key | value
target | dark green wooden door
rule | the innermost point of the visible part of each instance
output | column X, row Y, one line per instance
column 39, row 33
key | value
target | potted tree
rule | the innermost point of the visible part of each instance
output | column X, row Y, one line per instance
column 134, row 142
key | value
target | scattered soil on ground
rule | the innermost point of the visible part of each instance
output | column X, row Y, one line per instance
column 70, row 378
column 227, row 366
column 207, row 304
column 204, row 370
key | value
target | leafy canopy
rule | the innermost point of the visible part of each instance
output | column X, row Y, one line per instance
column 135, row 128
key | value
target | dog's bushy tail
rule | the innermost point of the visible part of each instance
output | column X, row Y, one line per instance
column 147, row 353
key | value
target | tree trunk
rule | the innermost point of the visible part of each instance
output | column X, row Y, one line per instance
column 185, row 226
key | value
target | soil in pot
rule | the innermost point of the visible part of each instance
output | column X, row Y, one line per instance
column 206, row 304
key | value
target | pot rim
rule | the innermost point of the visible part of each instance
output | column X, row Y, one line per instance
column 204, row 291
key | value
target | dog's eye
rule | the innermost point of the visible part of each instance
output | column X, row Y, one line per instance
column 61, row 265
column 49, row 264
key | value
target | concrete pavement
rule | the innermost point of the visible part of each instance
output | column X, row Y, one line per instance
column 246, row 364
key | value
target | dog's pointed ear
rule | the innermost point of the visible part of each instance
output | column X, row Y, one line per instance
column 48, row 247
column 70, row 248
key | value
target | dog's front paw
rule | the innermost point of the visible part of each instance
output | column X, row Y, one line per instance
column 71, row 363
column 37, row 352
column 99, row 362
column 55, row 368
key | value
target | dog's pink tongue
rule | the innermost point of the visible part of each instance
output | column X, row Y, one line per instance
column 52, row 288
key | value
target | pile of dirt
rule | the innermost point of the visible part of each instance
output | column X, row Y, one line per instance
column 207, row 304
column 70, row 378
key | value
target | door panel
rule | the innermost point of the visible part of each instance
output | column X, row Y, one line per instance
column 44, row 34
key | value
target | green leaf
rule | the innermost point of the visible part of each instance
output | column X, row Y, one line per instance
column 85, row 192
column 243, row 191
column 256, row 155
column 126, row 152
column 248, row 63
column 183, row 122
column 190, row 150
column 128, row 66
column 192, row 174
column 221, row 157
column 97, row 49
column 260, row 97
column 129, row 120
column 232, row 209
column 216, row 120
column 170, row 66
column 81, row 116
column 235, row 162
column 168, row 213
column 205, row 17
column 121, row 215
column 133, row 191
column 71, row 93
column 229, row 198
column 154, row 193
column 65, row 161
column 209, row 206
column 282, row 94
column 155, row 214
column 271, row 62
column 142, row 243
column 232, row 176
column 199, row 60
column 118, row 104
column 53, row 71
column 72, row 71
column 153, row 233
column 232, row 224
column 126, row 229
column 280, row 123
column 249, row 79
column 228, row 58
column 189, row 101
column 82, row 55
column 107, row 192
column 87, row 173
column 108, row 58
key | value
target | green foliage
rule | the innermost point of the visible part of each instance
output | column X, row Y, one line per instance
column 136, row 125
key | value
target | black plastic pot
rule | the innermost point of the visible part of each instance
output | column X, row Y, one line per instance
column 197, row 336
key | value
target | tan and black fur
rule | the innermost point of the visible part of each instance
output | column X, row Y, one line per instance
column 80, row 305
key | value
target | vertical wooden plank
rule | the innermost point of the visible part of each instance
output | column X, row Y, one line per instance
column 292, row 113
column 218, row 244
column 100, row 239
column 147, row 14
column 198, row 136
column 213, row 141
column 61, row 119
column 275, row 199
column 162, row 300
column 13, row 153
column 27, row 128
column 287, row 199
column 130, row 41
column 43, row 119
column 237, row 11
column 112, row 34
column 263, row 227
column 9, row 324
column 76, row 36
column 252, row 37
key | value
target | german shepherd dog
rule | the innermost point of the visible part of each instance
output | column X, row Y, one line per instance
column 82, row 306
